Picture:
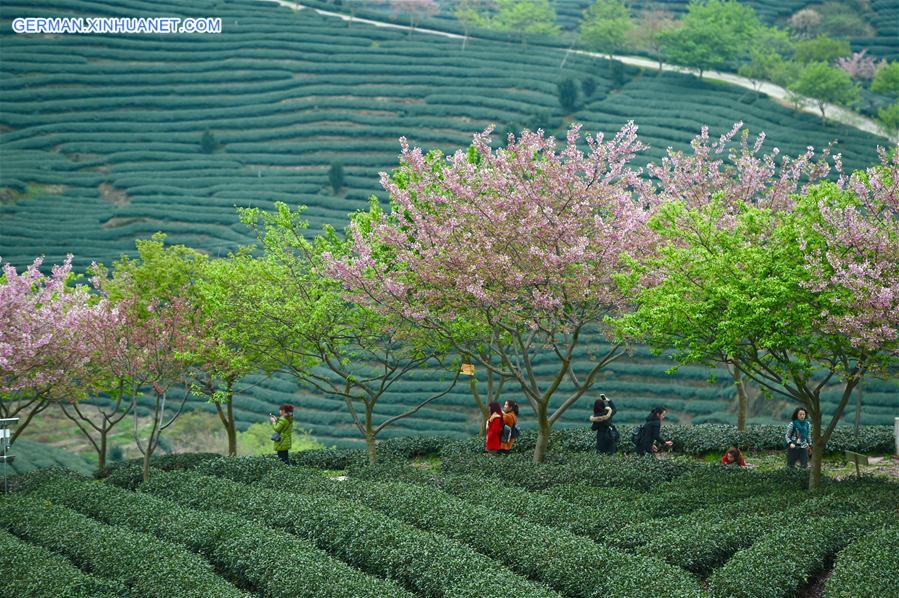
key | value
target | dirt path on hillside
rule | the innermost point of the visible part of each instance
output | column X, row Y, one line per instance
column 835, row 113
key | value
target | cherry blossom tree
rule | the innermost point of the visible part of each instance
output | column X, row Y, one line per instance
column 514, row 250
column 166, row 334
column 43, row 356
column 858, row 66
column 104, row 333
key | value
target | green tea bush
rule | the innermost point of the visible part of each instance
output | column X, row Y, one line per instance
column 146, row 564
column 717, row 484
column 587, row 569
column 409, row 447
column 31, row 456
column 268, row 561
column 781, row 562
column 574, row 516
column 34, row 571
column 705, row 539
column 164, row 462
column 620, row 506
column 329, row 458
column 867, row 567
column 638, row 473
column 245, row 470
column 425, row 563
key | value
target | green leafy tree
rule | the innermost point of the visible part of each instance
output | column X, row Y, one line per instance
column 208, row 143
column 335, row 177
column 886, row 81
column 616, row 73
column 524, row 18
column 712, row 34
column 889, row 117
column 766, row 57
column 605, row 27
column 230, row 354
column 648, row 35
column 764, row 65
column 588, row 86
column 821, row 49
column 825, row 84
column 299, row 317
column 568, row 95
column 471, row 14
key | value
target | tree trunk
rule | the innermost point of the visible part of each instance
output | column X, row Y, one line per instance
column 370, row 438
column 543, row 430
column 147, row 464
column 858, row 407
column 473, row 384
column 38, row 405
column 372, row 449
column 226, row 415
column 101, row 453
column 741, row 398
column 231, row 428
column 814, row 478
column 819, row 439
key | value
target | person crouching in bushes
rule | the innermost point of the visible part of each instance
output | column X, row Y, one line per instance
column 606, row 434
column 282, row 428
column 494, row 427
column 510, row 419
column 733, row 456
column 651, row 433
column 798, row 438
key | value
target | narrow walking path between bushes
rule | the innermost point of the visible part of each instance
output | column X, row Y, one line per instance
column 835, row 113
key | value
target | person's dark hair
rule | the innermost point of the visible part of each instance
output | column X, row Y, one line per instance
column 657, row 411
column 495, row 407
column 599, row 407
column 514, row 406
column 287, row 408
column 733, row 451
column 796, row 413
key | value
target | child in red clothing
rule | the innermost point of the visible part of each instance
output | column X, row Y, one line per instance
column 733, row 456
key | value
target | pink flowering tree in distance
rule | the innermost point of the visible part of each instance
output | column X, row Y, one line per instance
column 508, row 255
column 42, row 354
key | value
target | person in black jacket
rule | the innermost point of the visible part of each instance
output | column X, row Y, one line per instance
column 651, row 434
column 603, row 411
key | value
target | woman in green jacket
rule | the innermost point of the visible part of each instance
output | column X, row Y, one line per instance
column 283, row 430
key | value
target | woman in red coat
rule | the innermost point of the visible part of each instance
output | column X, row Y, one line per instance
column 494, row 427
